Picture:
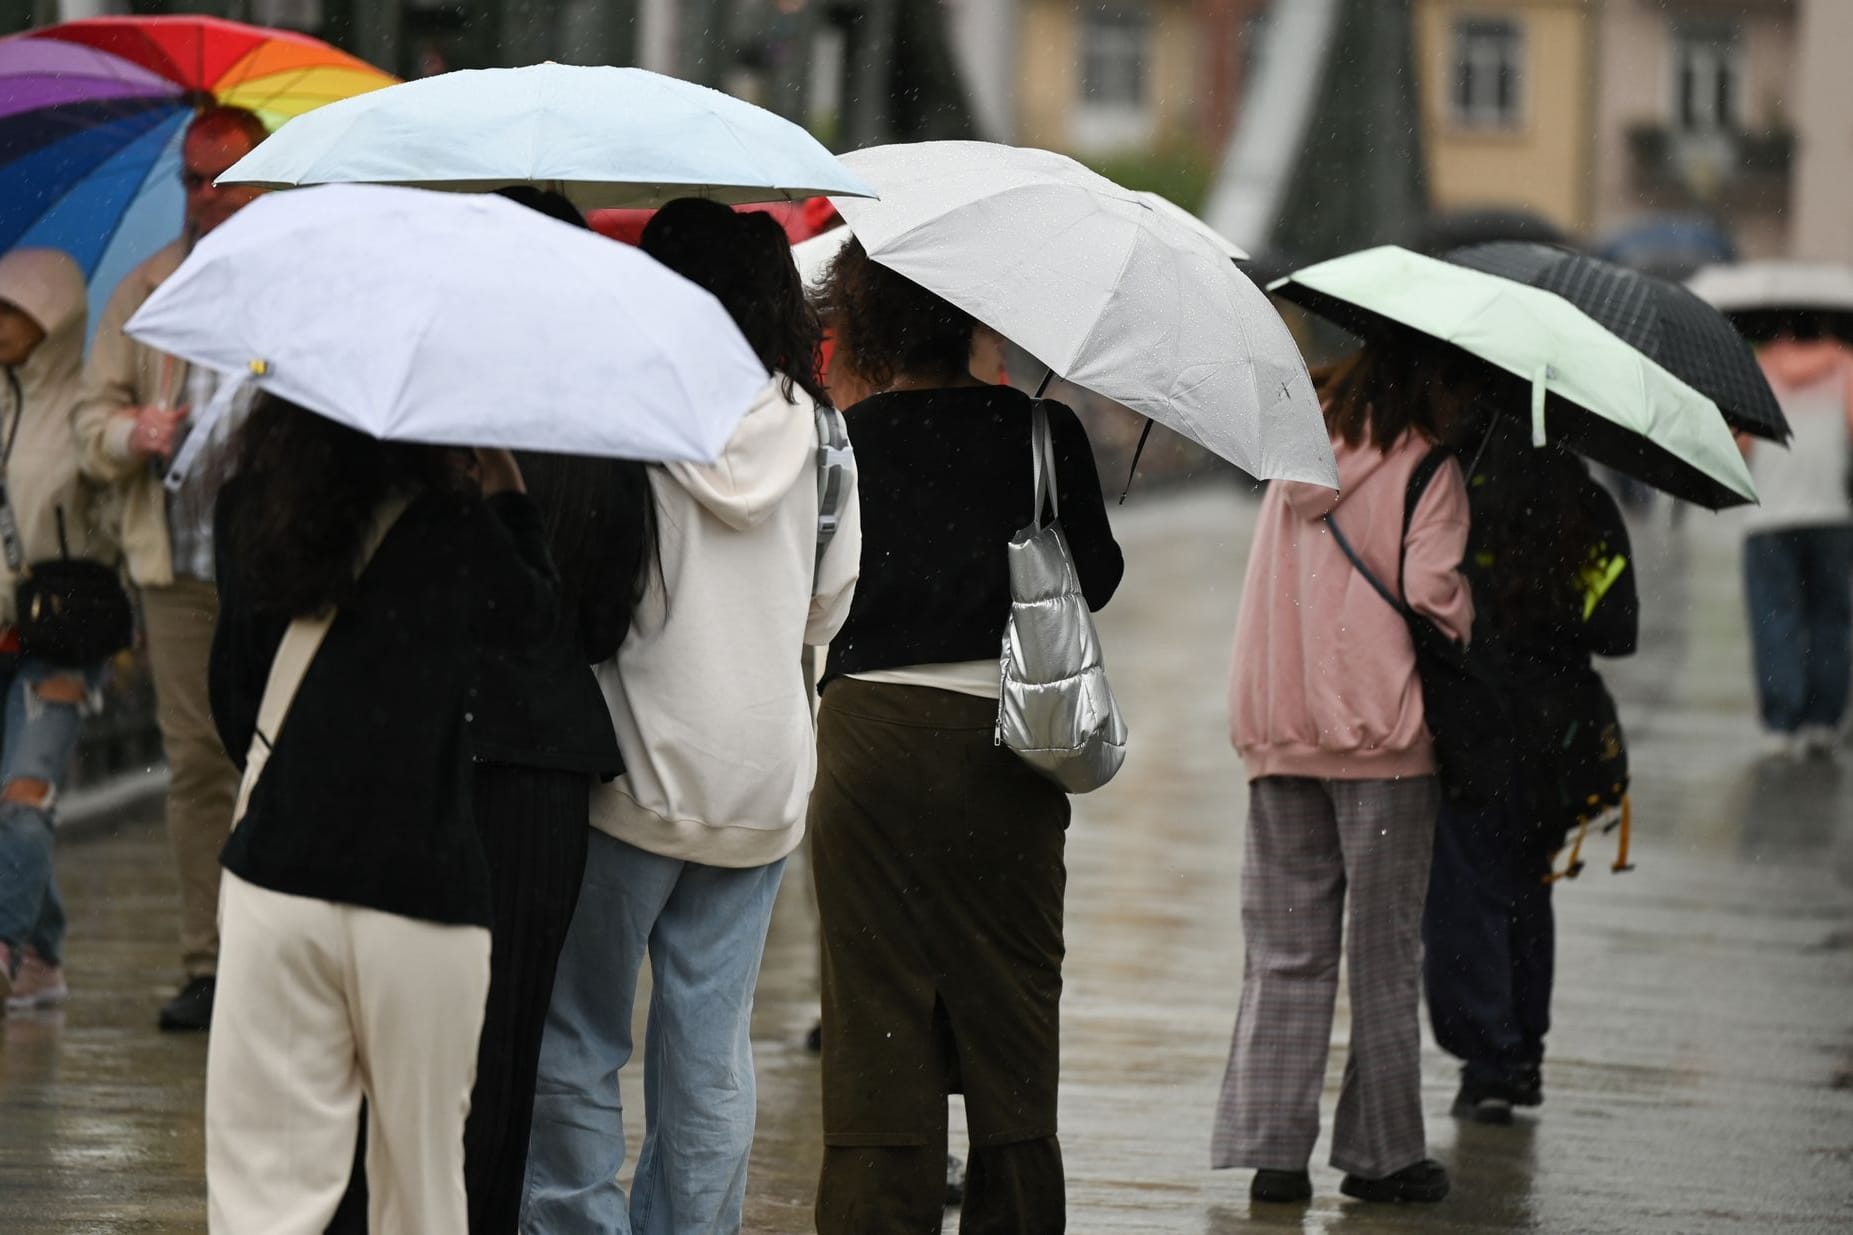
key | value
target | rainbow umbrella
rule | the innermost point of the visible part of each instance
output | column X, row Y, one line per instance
column 92, row 113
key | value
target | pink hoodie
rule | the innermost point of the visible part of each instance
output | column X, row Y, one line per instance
column 1324, row 681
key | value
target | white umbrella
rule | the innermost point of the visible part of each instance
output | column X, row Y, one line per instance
column 1776, row 285
column 1108, row 289
column 604, row 136
column 459, row 320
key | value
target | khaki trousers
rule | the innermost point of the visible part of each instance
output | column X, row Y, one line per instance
column 203, row 783
column 318, row 1005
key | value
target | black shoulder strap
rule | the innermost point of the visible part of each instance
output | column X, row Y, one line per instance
column 1358, row 564
column 1412, row 497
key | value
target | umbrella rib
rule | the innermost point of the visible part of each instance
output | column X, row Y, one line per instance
column 90, row 172
column 123, row 217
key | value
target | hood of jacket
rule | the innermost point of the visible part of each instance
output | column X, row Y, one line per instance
column 774, row 447
column 1793, row 363
column 1355, row 464
column 49, row 286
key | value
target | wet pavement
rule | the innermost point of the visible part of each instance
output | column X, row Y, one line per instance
column 1700, row 1076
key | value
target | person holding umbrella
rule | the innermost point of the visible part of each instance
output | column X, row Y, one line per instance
column 754, row 561
column 938, row 852
column 1554, row 585
column 1798, row 545
column 1327, row 713
column 133, row 413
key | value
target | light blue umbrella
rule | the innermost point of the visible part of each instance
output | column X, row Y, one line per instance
column 604, row 136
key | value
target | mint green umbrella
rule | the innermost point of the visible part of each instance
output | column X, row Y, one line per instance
column 1589, row 390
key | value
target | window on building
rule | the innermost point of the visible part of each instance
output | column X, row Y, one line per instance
column 1489, row 73
column 1115, row 108
column 1115, row 51
column 1707, row 77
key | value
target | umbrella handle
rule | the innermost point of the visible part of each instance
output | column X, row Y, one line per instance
column 1538, row 391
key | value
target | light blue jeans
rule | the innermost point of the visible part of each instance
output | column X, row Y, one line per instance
column 704, row 929
column 36, row 744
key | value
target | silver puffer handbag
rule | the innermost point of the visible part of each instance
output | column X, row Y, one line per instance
column 1055, row 708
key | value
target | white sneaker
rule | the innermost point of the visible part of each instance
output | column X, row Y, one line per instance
column 1775, row 744
column 37, row 985
column 1818, row 742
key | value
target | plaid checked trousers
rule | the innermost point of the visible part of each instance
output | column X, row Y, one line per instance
column 1315, row 849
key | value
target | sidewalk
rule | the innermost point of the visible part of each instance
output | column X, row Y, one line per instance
column 1700, row 1076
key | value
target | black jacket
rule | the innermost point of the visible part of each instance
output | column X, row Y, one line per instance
column 365, row 799
column 945, row 479
column 540, row 707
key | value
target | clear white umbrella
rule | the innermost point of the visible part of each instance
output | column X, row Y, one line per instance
column 1776, row 286
column 602, row 135
column 1110, row 288
column 459, row 320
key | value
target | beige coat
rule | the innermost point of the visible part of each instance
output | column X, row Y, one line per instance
column 42, row 472
column 122, row 375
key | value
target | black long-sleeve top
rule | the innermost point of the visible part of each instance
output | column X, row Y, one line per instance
column 365, row 798
column 945, row 478
column 540, row 706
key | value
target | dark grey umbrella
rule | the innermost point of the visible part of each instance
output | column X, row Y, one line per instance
column 1678, row 331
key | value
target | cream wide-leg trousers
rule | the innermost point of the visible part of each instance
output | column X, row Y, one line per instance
column 319, row 1004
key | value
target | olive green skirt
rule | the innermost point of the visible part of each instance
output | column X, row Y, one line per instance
column 938, row 858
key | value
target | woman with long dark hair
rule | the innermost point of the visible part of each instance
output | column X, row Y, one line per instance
column 938, row 853
column 1327, row 712
column 713, row 716
column 1553, row 585
column 356, row 899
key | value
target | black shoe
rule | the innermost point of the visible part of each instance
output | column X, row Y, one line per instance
column 192, row 1008
column 1484, row 1103
column 1281, row 1187
column 1425, row 1182
column 814, row 1039
column 955, row 1181
column 1530, row 1091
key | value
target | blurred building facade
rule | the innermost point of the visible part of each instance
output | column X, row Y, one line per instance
column 1597, row 113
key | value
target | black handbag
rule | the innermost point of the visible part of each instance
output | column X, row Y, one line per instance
column 69, row 611
column 1468, row 716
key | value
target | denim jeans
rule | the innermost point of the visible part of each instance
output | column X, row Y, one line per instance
column 704, row 930
column 1799, row 585
column 36, row 744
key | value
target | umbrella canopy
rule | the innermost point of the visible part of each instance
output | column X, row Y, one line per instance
column 1589, row 389
column 459, row 320
column 604, row 136
column 1680, row 332
column 1669, row 245
column 1764, row 298
column 92, row 114
column 1111, row 289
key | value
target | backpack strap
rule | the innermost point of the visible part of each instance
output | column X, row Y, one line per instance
column 1412, row 498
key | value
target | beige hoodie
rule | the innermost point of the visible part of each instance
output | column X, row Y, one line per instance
column 711, row 710
column 42, row 473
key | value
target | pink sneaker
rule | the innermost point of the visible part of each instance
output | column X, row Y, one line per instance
column 37, row 984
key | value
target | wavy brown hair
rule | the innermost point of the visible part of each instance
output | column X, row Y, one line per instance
column 887, row 324
column 745, row 261
column 312, row 487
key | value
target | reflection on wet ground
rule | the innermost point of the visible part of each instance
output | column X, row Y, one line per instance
column 1701, row 1071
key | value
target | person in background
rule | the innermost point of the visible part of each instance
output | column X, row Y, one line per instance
column 45, row 512
column 356, row 894
column 131, row 419
column 1798, row 551
column 1325, row 707
column 1553, row 585
column 939, row 853
column 713, row 716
